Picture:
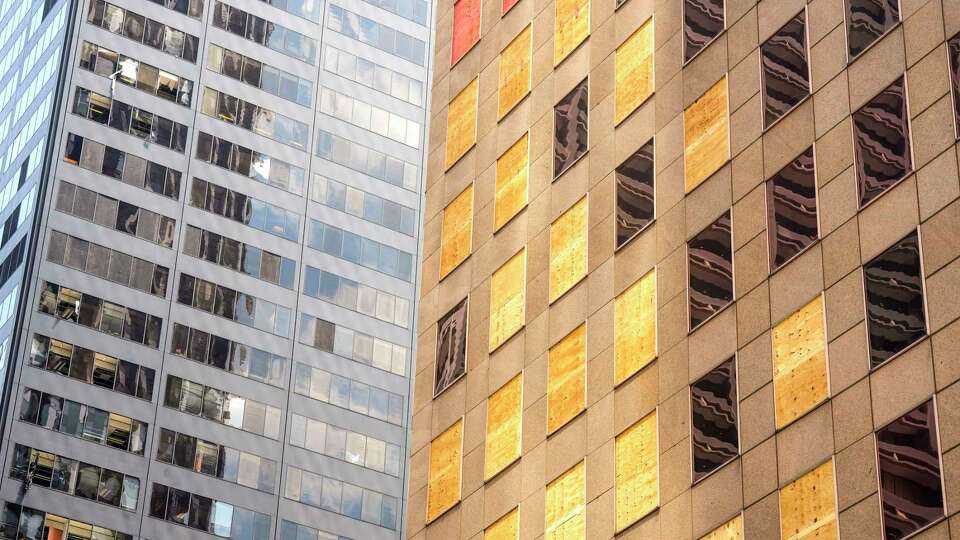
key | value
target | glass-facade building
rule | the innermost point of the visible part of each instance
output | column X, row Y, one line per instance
column 211, row 227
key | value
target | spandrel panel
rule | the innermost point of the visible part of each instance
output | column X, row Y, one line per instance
column 504, row 415
column 466, row 28
column 635, row 194
column 637, row 466
column 731, row 530
column 565, row 512
column 710, row 263
column 703, row 20
column 808, row 508
column 867, row 20
column 505, row 528
column 462, row 123
column 566, row 378
column 507, row 292
column 571, row 27
column 451, row 347
column 635, row 327
column 513, row 172
column 799, row 363
column 881, row 146
column 706, row 136
column 514, row 82
column 457, row 232
column 568, row 249
column 570, row 129
column 786, row 75
column 634, row 71
column 792, row 210
column 713, row 413
column 443, row 486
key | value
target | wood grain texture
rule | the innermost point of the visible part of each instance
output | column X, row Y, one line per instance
column 466, row 28
column 566, row 378
column 507, row 299
column 514, row 82
column 443, row 481
column 635, row 327
column 504, row 421
column 505, row 528
column 634, row 71
column 513, row 173
column 706, row 135
column 637, row 484
column 571, row 27
column 808, row 508
column 457, row 231
column 731, row 530
column 568, row 249
column 799, row 363
column 462, row 123
column 564, row 515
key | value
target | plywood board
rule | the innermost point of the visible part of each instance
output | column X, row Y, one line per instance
column 568, row 249
column 564, row 515
column 706, row 135
column 504, row 421
column 462, row 123
column 634, row 71
column 637, row 480
column 566, row 378
column 505, row 528
column 799, row 363
column 514, row 83
column 635, row 327
column 457, row 231
column 808, row 506
column 513, row 173
column 731, row 530
column 443, row 484
column 507, row 299
column 571, row 27
column 466, row 28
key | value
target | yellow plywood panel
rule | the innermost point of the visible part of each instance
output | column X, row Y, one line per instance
column 799, row 363
column 566, row 506
column 635, row 327
column 634, row 71
column 505, row 528
column 462, row 123
column 566, row 378
column 507, row 291
column 808, row 506
column 515, row 72
column 513, row 172
column 571, row 27
column 443, row 484
column 504, row 420
column 637, row 483
column 731, row 530
column 568, row 249
column 457, row 231
column 706, row 136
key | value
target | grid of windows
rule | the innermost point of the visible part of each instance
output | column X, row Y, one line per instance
column 130, row 169
column 238, row 256
column 216, row 460
column 376, row 35
column 131, row 120
column 255, row 118
column 250, row 163
column 210, row 515
column 343, row 444
column 260, row 75
column 234, row 305
column 227, row 355
column 115, row 214
column 91, row 367
column 341, row 497
column 222, row 407
column 151, row 33
column 266, row 33
column 109, row 264
column 241, row 208
column 346, row 393
column 366, row 349
column 98, row 314
column 137, row 74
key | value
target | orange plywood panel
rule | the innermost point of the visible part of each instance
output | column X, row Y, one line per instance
column 799, row 363
column 513, row 173
column 568, row 249
column 506, row 5
column 635, row 327
column 505, row 528
column 731, row 530
column 462, row 123
column 566, row 378
column 706, row 135
column 637, row 471
column 634, row 71
column 443, row 483
column 507, row 299
column 457, row 231
column 504, row 421
column 565, row 510
column 571, row 27
column 808, row 507
column 515, row 71
column 466, row 28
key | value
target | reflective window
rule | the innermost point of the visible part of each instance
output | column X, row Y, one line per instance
column 356, row 296
column 222, row 407
column 786, row 74
column 137, row 122
column 128, row 70
column 238, row 207
column 713, row 419
column 294, row 531
column 635, row 194
column 28, row 520
column 334, row 389
column 101, row 315
column 376, row 35
column 250, row 117
column 710, row 264
column 359, row 449
column 703, row 20
column 114, row 214
column 414, row 10
column 250, row 163
column 361, row 114
column 343, row 341
column 79, row 420
column 203, row 513
column 239, row 256
column 881, row 136
column 234, row 305
column 151, row 33
column 67, row 359
column 360, row 250
column 108, row 263
column 451, row 361
column 373, row 75
column 792, row 210
column 953, row 51
column 868, row 20
column 260, row 75
column 364, row 205
column 212, row 459
column 266, row 33
column 570, row 129
column 366, row 160
column 341, row 497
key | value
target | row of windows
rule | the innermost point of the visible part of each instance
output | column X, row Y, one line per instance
column 376, row 35
column 238, row 207
column 231, row 356
column 341, row 497
column 144, row 30
column 372, row 351
column 373, row 75
column 13, row 261
column 74, row 477
column 216, row 460
column 357, row 448
column 260, row 75
column 414, row 10
column 360, row 250
column 250, row 163
column 380, row 121
column 222, row 407
column 364, row 205
column 84, row 421
column 294, row 531
column 251, row 117
column 272, row 35
column 130, row 169
column 25, row 523
column 190, row 8
column 348, row 394
column 115, row 214
column 132, row 120
column 137, row 74
column 109, row 264
column 234, row 305
column 239, row 256
column 308, row 9
column 210, row 515
column 356, row 296
column 101, row 315
column 367, row 160
column 91, row 367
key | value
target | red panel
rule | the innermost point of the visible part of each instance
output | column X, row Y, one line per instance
column 466, row 28
column 507, row 4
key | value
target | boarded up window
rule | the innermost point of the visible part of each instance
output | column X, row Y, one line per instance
column 571, row 27
column 451, row 347
column 505, row 528
column 568, row 249
column 462, row 123
column 507, row 288
column 443, row 485
column 514, row 82
column 808, row 507
column 570, row 129
column 637, row 484
column 566, row 378
column 466, row 28
column 799, row 363
column 731, row 530
column 634, row 71
column 706, row 136
column 635, row 327
column 457, row 232
column 513, row 172
column 565, row 512
column 504, row 412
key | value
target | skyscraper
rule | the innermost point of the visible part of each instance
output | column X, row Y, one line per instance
column 217, row 296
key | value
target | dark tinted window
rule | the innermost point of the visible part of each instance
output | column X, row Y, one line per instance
column 882, row 142
column 786, row 77
column 710, row 263
column 635, row 194
column 702, row 21
column 570, row 129
column 451, row 347
column 713, row 414
column 953, row 50
column 792, row 209
column 867, row 20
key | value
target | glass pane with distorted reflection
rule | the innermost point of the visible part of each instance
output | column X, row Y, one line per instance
column 868, row 20
column 451, row 347
column 703, row 20
column 570, row 129
column 713, row 414
column 710, row 263
column 635, row 194
column 881, row 136
column 786, row 74
column 953, row 51
column 792, row 210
